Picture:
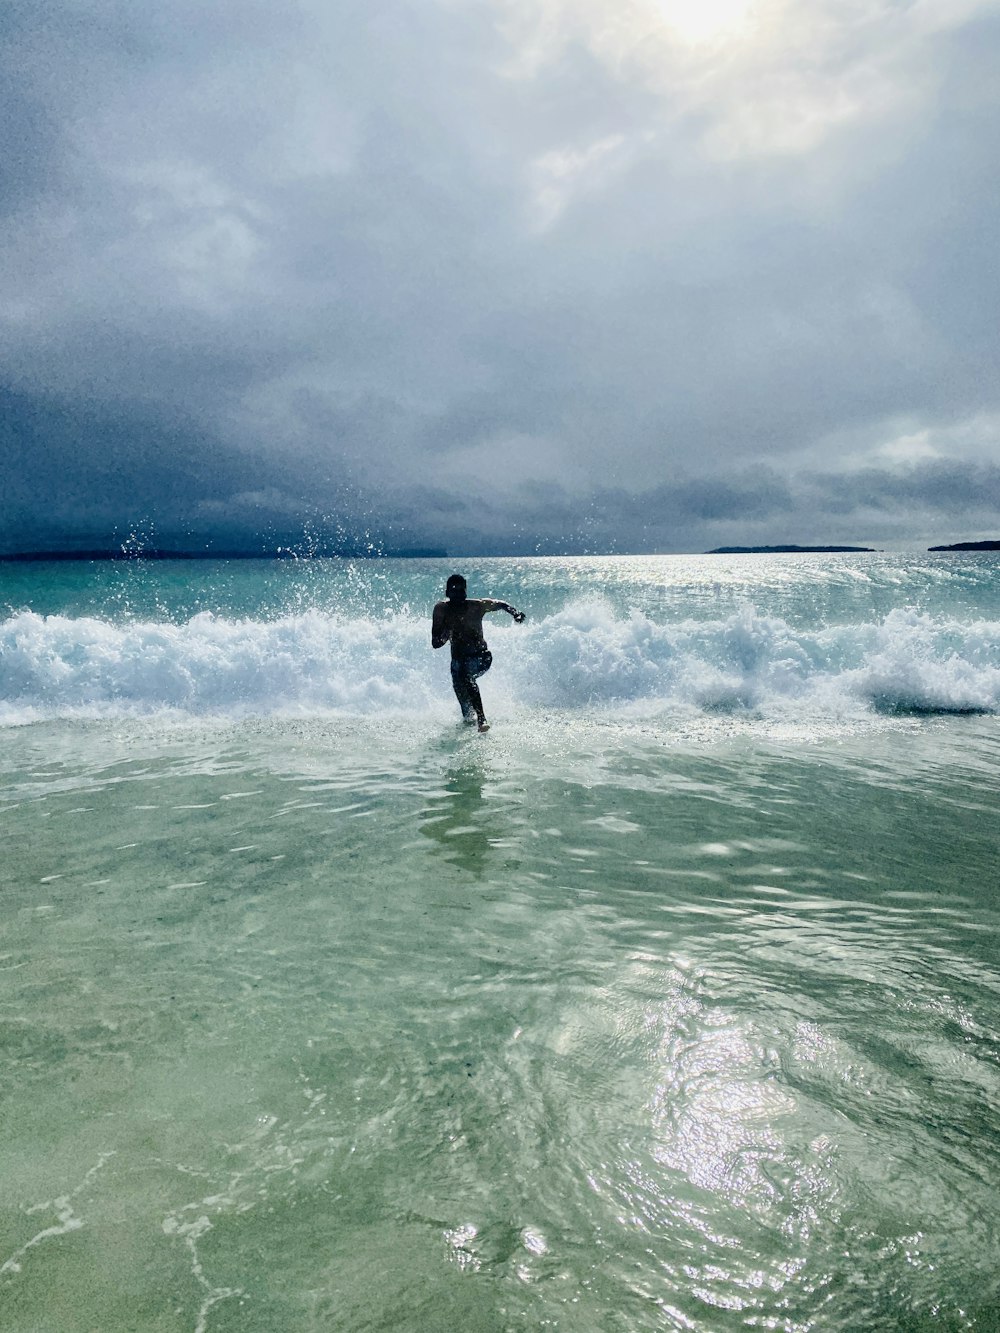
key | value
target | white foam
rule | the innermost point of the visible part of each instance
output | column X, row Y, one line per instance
column 582, row 658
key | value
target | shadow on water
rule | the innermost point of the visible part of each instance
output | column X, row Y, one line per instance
column 455, row 817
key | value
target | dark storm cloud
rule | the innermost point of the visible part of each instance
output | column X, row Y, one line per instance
column 757, row 508
column 498, row 276
column 95, row 467
column 952, row 489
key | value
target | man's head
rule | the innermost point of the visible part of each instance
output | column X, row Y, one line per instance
column 454, row 589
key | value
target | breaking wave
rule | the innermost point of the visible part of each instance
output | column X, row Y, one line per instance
column 584, row 657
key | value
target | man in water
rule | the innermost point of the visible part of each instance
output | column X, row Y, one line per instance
column 460, row 619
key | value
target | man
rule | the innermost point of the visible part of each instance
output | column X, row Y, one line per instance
column 460, row 619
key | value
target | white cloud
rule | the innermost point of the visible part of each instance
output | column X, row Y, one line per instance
column 560, row 174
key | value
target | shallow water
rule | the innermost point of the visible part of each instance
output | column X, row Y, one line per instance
column 632, row 1014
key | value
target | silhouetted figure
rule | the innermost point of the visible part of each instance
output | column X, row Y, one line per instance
column 460, row 620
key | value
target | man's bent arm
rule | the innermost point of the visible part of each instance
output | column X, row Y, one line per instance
column 440, row 634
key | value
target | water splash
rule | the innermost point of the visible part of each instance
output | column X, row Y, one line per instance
column 584, row 657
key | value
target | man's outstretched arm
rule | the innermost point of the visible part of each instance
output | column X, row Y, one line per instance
column 491, row 605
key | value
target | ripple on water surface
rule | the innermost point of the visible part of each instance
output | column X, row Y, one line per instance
column 333, row 1028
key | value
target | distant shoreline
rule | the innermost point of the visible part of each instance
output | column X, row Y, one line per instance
column 130, row 556
column 968, row 546
column 789, row 550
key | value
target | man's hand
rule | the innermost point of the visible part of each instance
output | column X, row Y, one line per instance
column 518, row 617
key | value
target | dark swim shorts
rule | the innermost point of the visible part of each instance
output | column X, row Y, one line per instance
column 468, row 668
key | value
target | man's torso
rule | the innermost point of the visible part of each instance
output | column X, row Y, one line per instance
column 463, row 622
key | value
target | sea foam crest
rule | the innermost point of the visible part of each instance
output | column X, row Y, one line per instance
column 908, row 661
column 583, row 657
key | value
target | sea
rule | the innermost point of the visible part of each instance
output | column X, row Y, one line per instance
column 670, row 1003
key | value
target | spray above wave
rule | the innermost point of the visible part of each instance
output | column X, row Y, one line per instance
column 582, row 658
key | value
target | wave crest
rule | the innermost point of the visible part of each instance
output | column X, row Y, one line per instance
column 581, row 658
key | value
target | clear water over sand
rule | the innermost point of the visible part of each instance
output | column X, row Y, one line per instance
column 671, row 1003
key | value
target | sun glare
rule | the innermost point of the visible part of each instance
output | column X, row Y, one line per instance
column 697, row 21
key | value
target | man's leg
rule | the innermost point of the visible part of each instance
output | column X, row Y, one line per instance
column 469, row 699
column 477, row 704
column 464, row 686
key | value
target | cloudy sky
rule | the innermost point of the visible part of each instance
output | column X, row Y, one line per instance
column 499, row 275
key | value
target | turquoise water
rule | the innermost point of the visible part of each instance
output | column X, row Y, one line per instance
column 671, row 1003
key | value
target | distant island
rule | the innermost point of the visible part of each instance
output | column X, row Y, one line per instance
column 282, row 553
column 783, row 550
column 968, row 546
